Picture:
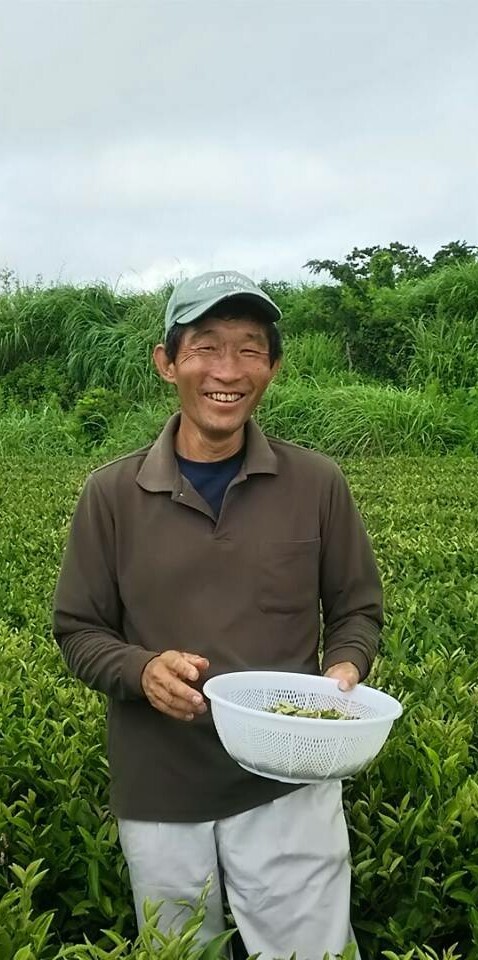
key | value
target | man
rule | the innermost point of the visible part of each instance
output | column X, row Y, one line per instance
column 207, row 552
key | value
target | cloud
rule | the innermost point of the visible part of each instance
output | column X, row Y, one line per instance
column 212, row 172
column 145, row 140
column 269, row 258
column 157, row 173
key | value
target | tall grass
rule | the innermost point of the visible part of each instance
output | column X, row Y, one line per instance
column 101, row 339
column 317, row 357
column 341, row 421
column 360, row 419
column 46, row 430
column 31, row 325
column 451, row 294
column 104, row 338
column 440, row 326
column 108, row 340
column 444, row 352
column 118, row 355
column 138, row 427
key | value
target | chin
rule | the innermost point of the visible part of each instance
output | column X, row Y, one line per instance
column 223, row 429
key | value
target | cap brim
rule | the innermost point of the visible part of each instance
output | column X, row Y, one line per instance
column 266, row 307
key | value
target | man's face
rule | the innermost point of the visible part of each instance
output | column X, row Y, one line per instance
column 221, row 371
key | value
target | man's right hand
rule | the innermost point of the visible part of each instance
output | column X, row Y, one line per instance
column 163, row 683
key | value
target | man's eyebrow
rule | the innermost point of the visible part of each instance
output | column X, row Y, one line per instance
column 199, row 334
column 257, row 337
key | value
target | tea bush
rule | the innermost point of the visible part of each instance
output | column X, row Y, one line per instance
column 413, row 816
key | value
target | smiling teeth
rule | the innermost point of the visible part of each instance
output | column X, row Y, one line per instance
column 225, row 397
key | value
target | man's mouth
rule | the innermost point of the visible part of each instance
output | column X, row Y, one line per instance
column 224, row 397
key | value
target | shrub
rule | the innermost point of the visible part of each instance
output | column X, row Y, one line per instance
column 463, row 406
column 35, row 381
column 306, row 307
column 95, row 411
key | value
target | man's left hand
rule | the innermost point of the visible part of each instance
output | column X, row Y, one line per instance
column 346, row 673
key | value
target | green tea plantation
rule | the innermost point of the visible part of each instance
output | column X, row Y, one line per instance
column 413, row 815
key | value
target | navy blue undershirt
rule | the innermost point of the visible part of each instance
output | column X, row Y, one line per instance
column 211, row 478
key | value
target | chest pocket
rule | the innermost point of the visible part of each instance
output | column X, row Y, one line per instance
column 288, row 578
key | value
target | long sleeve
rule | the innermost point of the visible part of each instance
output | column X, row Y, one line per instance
column 87, row 609
column 351, row 591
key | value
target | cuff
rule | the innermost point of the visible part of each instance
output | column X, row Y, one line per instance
column 350, row 654
column 133, row 667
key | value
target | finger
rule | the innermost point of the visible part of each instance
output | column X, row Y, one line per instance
column 194, row 657
column 194, row 705
column 171, row 688
column 345, row 669
column 195, row 665
column 348, row 680
column 171, row 711
column 161, row 683
column 160, row 698
column 197, row 659
column 334, row 674
column 181, row 665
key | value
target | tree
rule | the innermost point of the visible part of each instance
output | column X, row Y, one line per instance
column 363, row 274
column 458, row 251
column 372, row 298
column 379, row 266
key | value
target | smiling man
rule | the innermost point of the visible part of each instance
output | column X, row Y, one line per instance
column 209, row 551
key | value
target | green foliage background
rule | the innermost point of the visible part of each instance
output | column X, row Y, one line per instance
column 381, row 372
column 413, row 815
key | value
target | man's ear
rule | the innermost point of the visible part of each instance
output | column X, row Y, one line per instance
column 165, row 368
column 275, row 368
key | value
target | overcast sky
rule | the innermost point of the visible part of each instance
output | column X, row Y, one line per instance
column 145, row 141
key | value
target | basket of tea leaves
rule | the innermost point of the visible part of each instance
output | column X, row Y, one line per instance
column 299, row 728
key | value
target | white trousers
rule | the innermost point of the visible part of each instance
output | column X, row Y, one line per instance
column 285, row 868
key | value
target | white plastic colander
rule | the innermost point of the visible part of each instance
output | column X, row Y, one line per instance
column 298, row 749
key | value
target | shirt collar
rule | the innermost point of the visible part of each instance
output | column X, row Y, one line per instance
column 160, row 471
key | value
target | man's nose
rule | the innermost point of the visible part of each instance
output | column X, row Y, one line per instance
column 228, row 366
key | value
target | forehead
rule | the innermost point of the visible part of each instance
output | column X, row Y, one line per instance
column 235, row 328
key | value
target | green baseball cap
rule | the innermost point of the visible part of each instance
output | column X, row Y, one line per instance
column 193, row 298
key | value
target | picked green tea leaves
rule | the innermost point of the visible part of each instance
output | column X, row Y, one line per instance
column 290, row 710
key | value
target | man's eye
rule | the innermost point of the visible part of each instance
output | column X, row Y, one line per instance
column 204, row 349
column 251, row 353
